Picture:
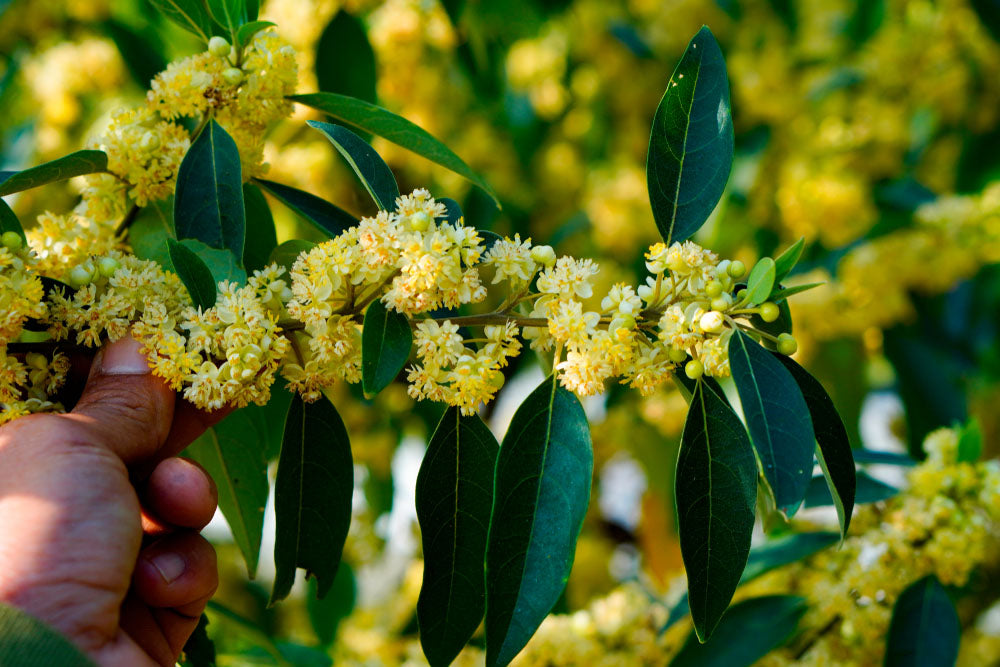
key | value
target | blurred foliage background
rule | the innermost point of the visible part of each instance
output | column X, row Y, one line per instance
column 870, row 128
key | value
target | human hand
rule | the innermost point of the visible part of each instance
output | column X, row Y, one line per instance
column 99, row 525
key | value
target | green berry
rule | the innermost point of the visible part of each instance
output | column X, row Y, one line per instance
column 713, row 288
column 677, row 355
column 769, row 312
column 11, row 240
column 737, row 269
column 787, row 344
column 107, row 266
column 420, row 221
column 694, row 369
column 233, row 76
column 218, row 47
column 79, row 276
column 722, row 303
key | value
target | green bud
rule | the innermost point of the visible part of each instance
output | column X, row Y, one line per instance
column 742, row 294
column 713, row 288
column 79, row 276
column 694, row 369
column 420, row 221
column 12, row 240
column 149, row 142
column 712, row 322
column 36, row 360
column 787, row 344
column 769, row 312
column 218, row 47
column 737, row 269
column 233, row 76
column 107, row 266
column 677, row 355
column 544, row 254
column 722, row 302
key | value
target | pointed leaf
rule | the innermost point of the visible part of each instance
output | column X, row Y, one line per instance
column 222, row 264
column 454, row 500
column 760, row 282
column 385, row 346
column 779, row 293
column 208, row 204
column 375, row 174
column 230, row 14
column 749, row 631
column 787, row 260
column 66, row 167
column 715, row 489
column 454, row 210
column 925, row 630
column 262, row 237
column 345, row 36
column 833, row 447
column 541, row 493
column 10, row 223
column 691, row 143
column 233, row 452
column 193, row 273
column 323, row 215
column 777, row 418
column 325, row 615
column 367, row 117
column 199, row 649
column 869, row 490
column 192, row 15
column 312, row 496
column 247, row 31
column 873, row 456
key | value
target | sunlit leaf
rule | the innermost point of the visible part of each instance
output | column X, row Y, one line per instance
column 761, row 281
column 323, row 215
column 374, row 173
column 192, row 15
column 10, row 223
column 66, row 167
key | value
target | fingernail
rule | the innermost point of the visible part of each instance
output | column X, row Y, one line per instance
column 123, row 358
column 169, row 565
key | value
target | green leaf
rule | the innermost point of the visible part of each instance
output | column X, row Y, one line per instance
column 367, row 117
column 141, row 52
column 345, row 61
column 199, row 649
column 540, row 497
column 375, row 174
column 312, row 496
column 779, row 293
column 253, row 10
column 867, row 18
column 208, row 204
column 787, row 260
column 925, row 630
column 193, row 273
column 883, row 458
column 385, row 346
column 970, row 442
column 778, row 420
column 66, row 167
column 234, row 454
column 148, row 233
column 10, row 223
column 750, row 630
column 247, row 31
column 325, row 615
column 221, row 263
column 289, row 251
column 230, row 14
column 691, row 143
column 192, row 15
column 454, row 210
column 25, row 640
column 262, row 237
column 715, row 490
column 868, row 490
column 833, row 446
column 760, row 282
column 323, row 215
column 454, row 501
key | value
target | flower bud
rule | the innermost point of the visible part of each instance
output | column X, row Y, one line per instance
column 36, row 360
column 544, row 255
column 677, row 355
column 769, row 312
column 787, row 344
column 107, row 266
column 713, row 288
column 622, row 321
column 233, row 76
column 694, row 369
column 218, row 47
column 736, row 269
column 11, row 240
column 712, row 322
column 722, row 302
column 420, row 221
column 79, row 276
column 149, row 142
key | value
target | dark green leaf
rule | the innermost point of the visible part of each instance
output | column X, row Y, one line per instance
column 750, row 630
column 325, row 615
column 312, row 496
column 715, row 490
column 787, row 260
column 192, row 15
column 375, row 174
column 253, row 10
column 489, row 238
column 883, row 458
column 868, row 490
column 66, row 167
column 286, row 253
column 454, row 210
column 779, row 293
column 234, row 454
column 230, row 14
column 454, row 500
column 761, row 281
column 925, row 630
column 345, row 61
column 248, row 30
column 193, row 273
column 385, row 346
column 221, row 263
column 541, row 494
column 148, row 233
column 10, row 223
column 199, row 650
column 141, row 53
column 778, row 420
column 691, row 144
column 323, row 215
column 368, row 117
column 970, row 442
column 781, row 325
column 208, row 204
column 25, row 640
column 865, row 21
column 261, row 235
column 833, row 447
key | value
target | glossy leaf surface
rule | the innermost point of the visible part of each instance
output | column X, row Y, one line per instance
column 385, row 346
column 374, row 173
column 66, row 167
column 261, row 236
column 192, row 15
column 925, row 629
column 324, row 216
column 193, row 273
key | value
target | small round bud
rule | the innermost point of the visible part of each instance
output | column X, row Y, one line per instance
column 12, row 240
column 712, row 322
column 218, row 47
column 622, row 321
column 420, row 221
column 694, row 369
column 625, row 308
column 736, row 269
column 722, row 302
column 787, row 344
column 149, row 142
column 769, row 312
column 233, row 76
column 80, row 275
column 677, row 355
column 107, row 266
column 742, row 294
column 713, row 288
column 544, row 254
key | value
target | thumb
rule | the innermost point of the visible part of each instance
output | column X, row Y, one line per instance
column 123, row 406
